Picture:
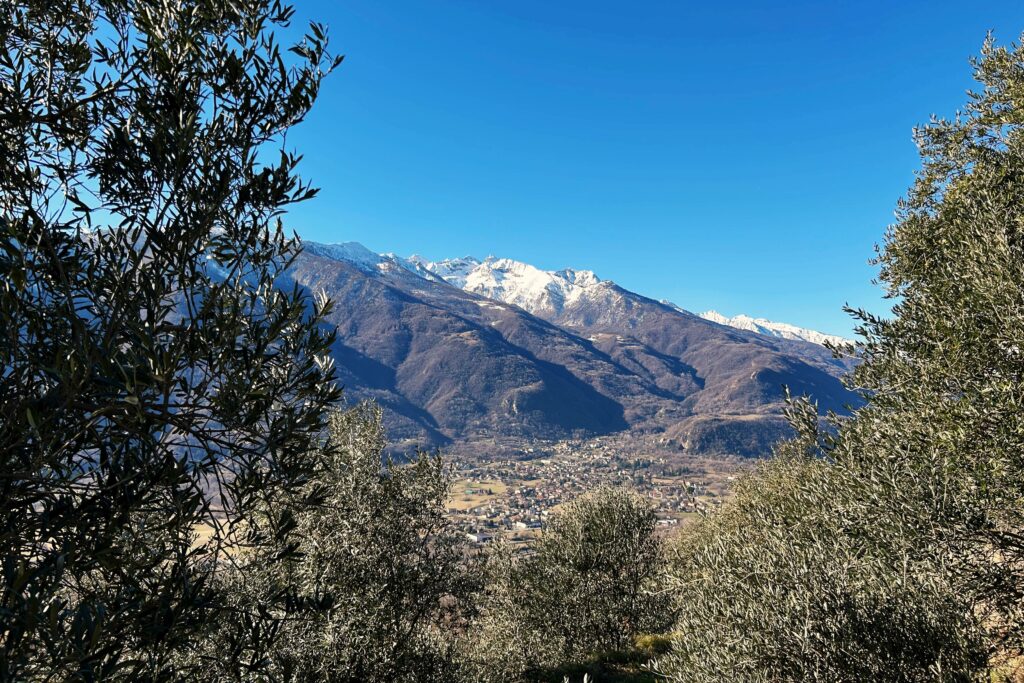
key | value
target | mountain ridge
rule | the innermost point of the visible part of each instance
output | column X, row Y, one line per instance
column 537, row 290
column 773, row 328
column 493, row 350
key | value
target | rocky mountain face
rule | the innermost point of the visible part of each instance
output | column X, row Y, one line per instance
column 468, row 351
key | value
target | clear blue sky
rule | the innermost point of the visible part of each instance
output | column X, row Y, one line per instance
column 743, row 156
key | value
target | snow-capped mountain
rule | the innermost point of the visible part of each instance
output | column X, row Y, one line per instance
column 463, row 351
column 541, row 292
column 454, row 271
column 545, row 293
column 366, row 260
column 773, row 329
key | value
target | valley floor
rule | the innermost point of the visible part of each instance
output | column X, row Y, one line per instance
column 509, row 492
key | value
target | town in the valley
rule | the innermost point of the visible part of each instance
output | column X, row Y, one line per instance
column 510, row 493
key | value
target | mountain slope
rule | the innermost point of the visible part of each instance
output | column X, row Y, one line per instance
column 475, row 351
column 541, row 292
column 582, row 302
column 548, row 293
column 444, row 370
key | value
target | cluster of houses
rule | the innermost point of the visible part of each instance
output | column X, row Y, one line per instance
column 540, row 480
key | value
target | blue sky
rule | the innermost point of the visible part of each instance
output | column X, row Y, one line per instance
column 741, row 156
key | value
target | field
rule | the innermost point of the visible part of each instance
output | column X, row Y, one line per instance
column 468, row 493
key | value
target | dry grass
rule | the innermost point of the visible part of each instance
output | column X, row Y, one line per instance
column 467, row 494
column 1009, row 671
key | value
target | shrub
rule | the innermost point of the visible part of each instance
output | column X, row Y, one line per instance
column 792, row 582
column 592, row 585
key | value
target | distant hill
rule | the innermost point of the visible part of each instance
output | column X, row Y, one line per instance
column 470, row 351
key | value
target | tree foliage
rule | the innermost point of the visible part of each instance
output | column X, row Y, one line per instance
column 385, row 581
column 593, row 583
column 156, row 385
column 897, row 544
column 799, row 578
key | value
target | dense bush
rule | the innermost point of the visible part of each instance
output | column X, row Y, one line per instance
column 385, row 582
column 797, row 580
column 592, row 584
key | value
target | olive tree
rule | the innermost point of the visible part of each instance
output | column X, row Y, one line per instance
column 597, row 565
column 592, row 584
column 900, row 537
column 385, row 583
column 155, row 384
column 800, row 577
column 946, row 372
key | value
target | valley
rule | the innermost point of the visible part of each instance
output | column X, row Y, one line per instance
column 509, row 494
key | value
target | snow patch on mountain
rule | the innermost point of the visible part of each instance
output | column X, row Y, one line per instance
column 453, row 271
column 773, row 329
column 351, row 252
column 368, row 261
column 541, row 292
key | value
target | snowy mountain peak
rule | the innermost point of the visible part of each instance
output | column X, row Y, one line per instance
column 545, row 293
column 352, row 252
column 542, row 292
column 366, row 260
column 772, row 329
column 453, row 271
column 581, row 278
